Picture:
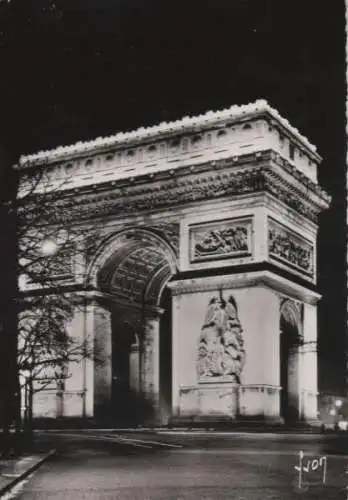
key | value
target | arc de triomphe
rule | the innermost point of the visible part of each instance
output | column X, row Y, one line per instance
column 198, row 267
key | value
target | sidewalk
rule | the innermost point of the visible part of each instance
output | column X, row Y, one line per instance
column 15, row 470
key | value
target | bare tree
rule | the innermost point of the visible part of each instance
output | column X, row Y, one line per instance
column 47, row 270
column 20, row 21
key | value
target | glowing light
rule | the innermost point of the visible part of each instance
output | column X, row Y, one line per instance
column 49, row 247
column 343, row 426
column 333, row 412
column 338, row 403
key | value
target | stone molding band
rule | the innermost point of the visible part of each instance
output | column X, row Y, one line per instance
column 309, row 346
column 257, row 278
column 186, row 189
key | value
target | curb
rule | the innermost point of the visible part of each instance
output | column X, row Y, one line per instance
column 8, row 487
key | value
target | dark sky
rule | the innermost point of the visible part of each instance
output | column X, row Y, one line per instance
column 75, row 70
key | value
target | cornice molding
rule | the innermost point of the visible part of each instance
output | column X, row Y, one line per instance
column 241, row 280
column 309, row 347
column 211, row 180
column 109, row 300
column 188, row 189
column 266, row 156
column 276, row 208
column 304, row 182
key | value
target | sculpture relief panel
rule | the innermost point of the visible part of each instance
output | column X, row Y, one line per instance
column 291, row 249
column 221, row 240
column 221, row 354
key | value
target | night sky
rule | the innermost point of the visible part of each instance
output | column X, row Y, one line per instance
column 75, row 70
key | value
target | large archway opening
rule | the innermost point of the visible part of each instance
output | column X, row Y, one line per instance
column 290, row 340
column 134, row 269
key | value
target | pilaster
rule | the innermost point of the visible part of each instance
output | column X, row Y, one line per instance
column 309, row 364
column 103, row 351
column 150, row 382
column 134, row 365
column 176, row 303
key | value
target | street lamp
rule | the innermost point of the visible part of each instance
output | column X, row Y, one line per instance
column 26, row 376
column 48, row 247
column 338, row 403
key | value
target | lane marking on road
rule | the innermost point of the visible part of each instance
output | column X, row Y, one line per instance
column 116, row 439
column 141, row 443
column 159, row 443
column 101, row 438
column 241, row 451
column 242, row 434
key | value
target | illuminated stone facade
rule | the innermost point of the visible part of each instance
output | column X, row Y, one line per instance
column 219, row 213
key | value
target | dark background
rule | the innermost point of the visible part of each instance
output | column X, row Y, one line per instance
column 75, row 70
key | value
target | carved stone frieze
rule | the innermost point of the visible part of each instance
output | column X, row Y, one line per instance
column 152, row 196
column 169, row 193
column 220, row 240
column 291, row 197
column 290, row 248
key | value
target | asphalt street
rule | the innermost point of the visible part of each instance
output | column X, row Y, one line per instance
column 177, row 466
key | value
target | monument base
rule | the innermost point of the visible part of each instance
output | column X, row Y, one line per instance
column 213, row 399
column 259, row 401
column 229, row 399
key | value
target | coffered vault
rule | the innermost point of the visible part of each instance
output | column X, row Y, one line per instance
column 216, row 217
column 134, row 266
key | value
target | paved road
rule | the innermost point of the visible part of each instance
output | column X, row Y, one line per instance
column 137, row 466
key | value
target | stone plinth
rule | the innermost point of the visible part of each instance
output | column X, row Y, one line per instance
column 208, row 400
column 72, row 404
column 45, row 404
column 259, row 401
column 221, row 400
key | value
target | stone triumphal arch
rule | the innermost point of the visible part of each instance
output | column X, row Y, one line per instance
column 197, row 265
